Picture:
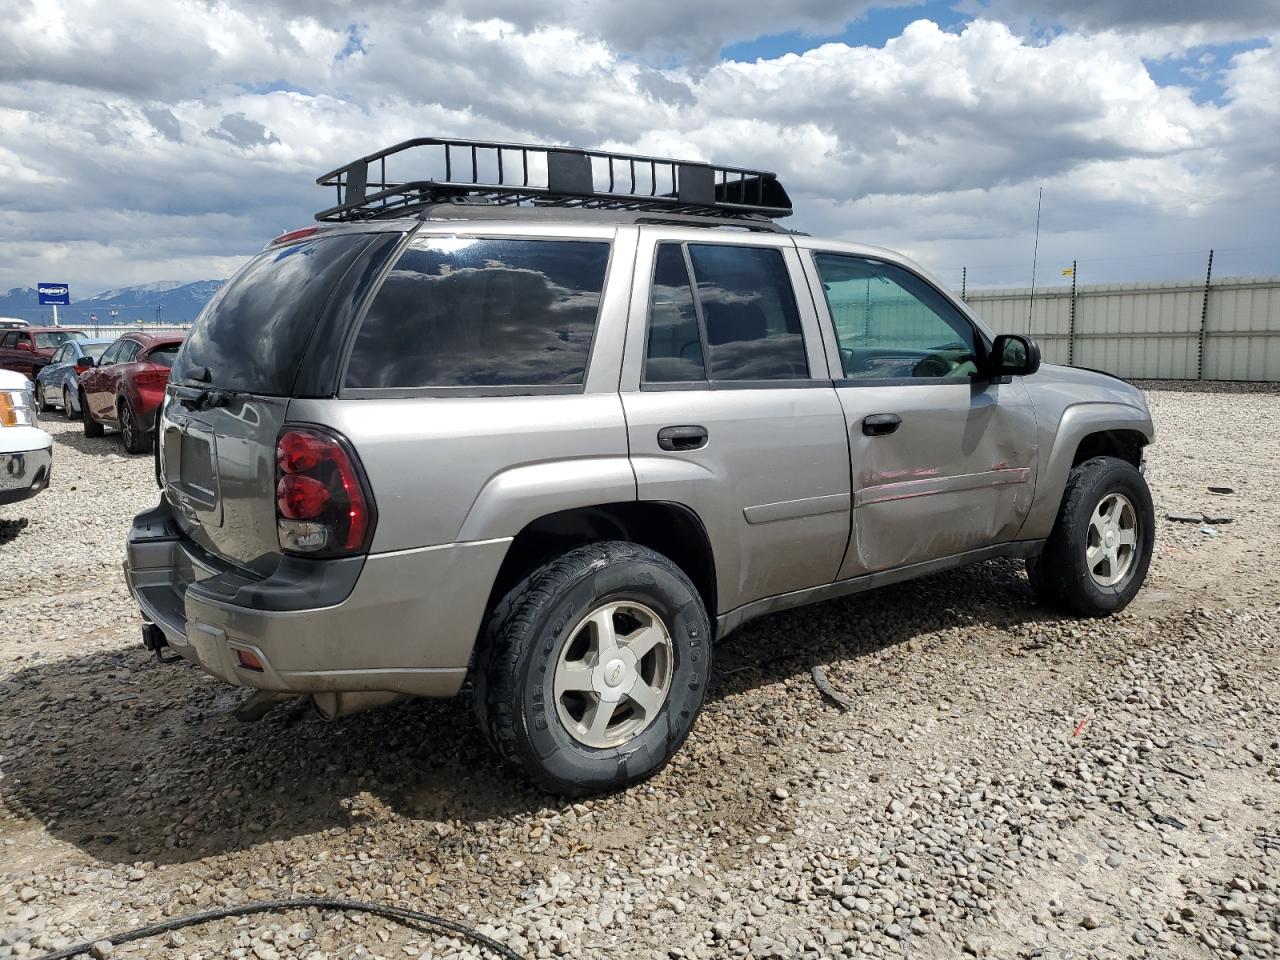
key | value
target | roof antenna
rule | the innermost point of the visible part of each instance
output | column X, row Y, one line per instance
column 1034, row 254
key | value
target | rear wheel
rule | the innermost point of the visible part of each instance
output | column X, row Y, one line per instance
column 136, row 440
column 1097, row 557
column 71, row 412
column 92, row 428
column 592, row 670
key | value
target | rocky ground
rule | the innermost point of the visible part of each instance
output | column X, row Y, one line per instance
column 1009, row 783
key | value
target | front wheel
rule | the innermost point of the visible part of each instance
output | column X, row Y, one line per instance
column 1096, row 559
column 592, row 670
column 42, row 402
column 71, row 412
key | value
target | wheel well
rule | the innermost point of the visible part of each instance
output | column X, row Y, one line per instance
column 671, row 529
column 1122, row 444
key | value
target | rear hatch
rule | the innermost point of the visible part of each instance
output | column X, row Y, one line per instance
column 229, row 392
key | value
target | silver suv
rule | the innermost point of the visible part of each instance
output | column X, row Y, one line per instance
column 511, row 426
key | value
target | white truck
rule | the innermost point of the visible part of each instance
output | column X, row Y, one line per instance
column 26, row 452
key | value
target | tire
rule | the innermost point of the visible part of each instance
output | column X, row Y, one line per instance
column 71, row 412
column 42, row 404
column 540, row 631
column 92, row 428
column 136, row 440
column 1075, row 574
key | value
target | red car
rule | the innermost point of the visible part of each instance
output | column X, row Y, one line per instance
column 125, row 387
column 27, row 349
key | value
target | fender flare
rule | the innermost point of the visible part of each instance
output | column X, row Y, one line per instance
column 1078, row 421
column 512, row 499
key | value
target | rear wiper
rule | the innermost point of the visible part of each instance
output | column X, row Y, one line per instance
column 203, row 398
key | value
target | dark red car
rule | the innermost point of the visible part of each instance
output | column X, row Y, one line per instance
column 125, row 387
column 27, row 349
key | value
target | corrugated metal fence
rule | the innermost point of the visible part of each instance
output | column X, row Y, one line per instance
column 1178, row 330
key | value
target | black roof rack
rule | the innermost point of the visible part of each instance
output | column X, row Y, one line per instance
column 489, row 173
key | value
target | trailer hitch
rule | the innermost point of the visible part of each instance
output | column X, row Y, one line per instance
column 153, row 639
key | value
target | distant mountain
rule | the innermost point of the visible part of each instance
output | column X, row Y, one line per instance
column 177, row 303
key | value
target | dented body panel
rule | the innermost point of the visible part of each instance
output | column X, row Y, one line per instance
column 797, row 501
column 1071, row 405
column 959, row 473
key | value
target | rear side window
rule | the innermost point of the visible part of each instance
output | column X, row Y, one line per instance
column 253, row 333
column 482, row 313
column 740, row 310
column 674, row 352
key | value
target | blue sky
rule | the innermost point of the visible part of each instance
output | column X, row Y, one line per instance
column 873, row 28
column 926, row 127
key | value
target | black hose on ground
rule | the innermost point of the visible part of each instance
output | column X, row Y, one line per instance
column 302, row 903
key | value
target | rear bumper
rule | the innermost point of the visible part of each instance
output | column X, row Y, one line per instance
column 24, row 473
column 403, row 622
column 146, row 406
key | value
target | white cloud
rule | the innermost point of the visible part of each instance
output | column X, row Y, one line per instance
column 141, row 141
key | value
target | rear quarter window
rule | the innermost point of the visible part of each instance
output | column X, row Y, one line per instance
column 482, row 313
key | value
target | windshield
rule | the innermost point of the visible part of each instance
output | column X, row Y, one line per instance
column 252, row 335
column 96, row 350
column 57, row 338
column 164, row 355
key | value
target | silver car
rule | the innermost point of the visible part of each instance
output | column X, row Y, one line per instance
column 557, row 439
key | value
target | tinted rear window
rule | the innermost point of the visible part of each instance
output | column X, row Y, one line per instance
column 752, row 323
column 164, row 355
column 253, row 333
column 476, row 313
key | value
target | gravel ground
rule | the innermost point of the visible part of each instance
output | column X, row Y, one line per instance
column 1009, row 784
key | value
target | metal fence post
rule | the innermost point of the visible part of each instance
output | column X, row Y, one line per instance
column 964, row 282
column 1204, row 318
column 1071, row 320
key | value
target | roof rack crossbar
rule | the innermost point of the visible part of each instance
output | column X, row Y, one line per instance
column 687, row 187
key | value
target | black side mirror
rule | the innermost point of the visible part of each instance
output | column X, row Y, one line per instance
column 85, row 363
column 1013, row 355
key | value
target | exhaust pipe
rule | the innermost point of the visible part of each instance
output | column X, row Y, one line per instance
column 331, row 706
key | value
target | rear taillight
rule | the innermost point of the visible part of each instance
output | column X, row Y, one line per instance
column 156, row 378
column 323, row 507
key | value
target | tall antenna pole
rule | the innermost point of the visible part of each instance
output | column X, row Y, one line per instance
column 1034, row 254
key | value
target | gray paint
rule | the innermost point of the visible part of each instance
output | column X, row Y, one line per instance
column 799, row 505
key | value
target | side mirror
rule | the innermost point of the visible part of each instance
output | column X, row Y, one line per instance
column 83, row 364
column 23, row 345
column 1013, row 355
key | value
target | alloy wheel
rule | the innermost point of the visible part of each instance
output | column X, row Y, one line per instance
column 613, row 674
column 1112, row 543
column 127, row 427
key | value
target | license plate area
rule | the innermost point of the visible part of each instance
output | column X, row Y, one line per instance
column 191, row 477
